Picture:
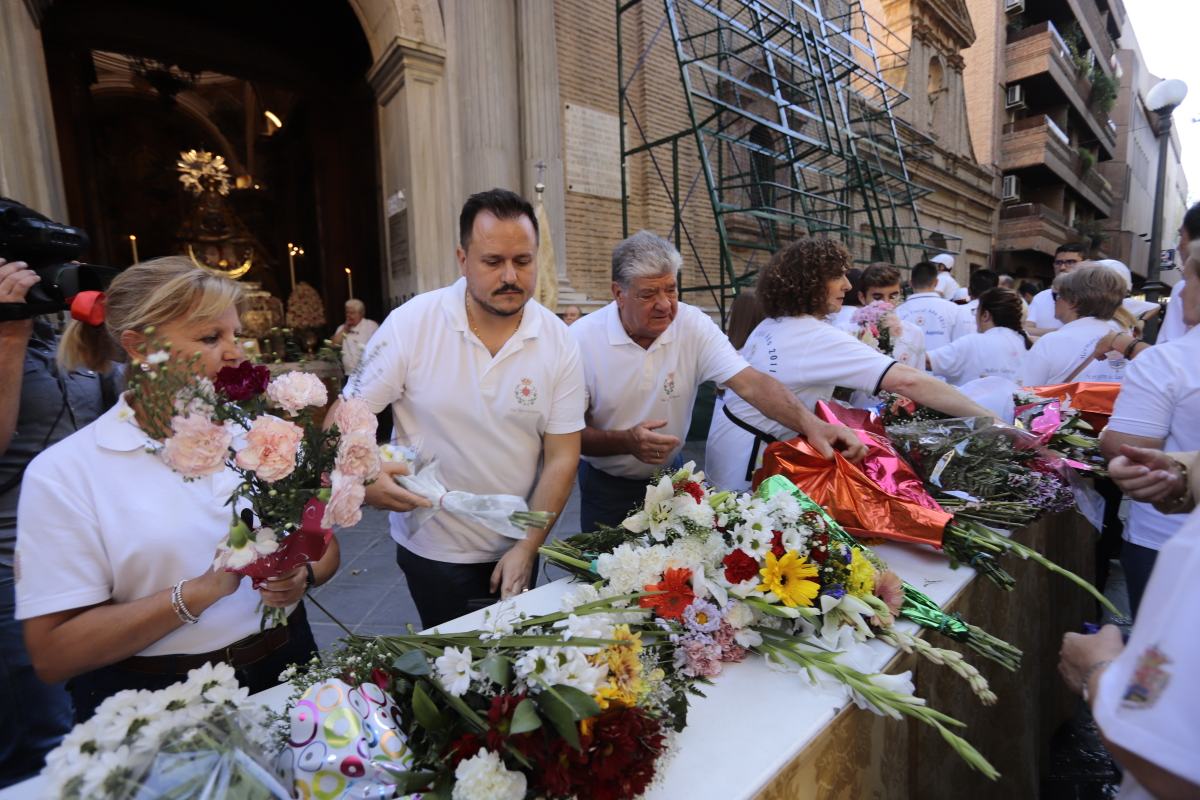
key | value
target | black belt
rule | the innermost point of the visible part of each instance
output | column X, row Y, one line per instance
column 242, row 653
column 759, row 438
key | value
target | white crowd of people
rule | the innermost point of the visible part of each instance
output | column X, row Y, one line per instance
column 510, row 400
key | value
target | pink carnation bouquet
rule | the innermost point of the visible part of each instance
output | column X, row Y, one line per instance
column 878, row 325
column 298, row 480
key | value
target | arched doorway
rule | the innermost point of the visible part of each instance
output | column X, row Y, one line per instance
column 135, row 82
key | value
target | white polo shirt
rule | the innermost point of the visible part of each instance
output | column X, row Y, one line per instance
column 1056, row 355
column 997, row 351
column 1146, row 700
column 1173, row 326
column 354, row 342
column 1160, row 399
column 933, row 315
column 946, row 285
column 481, row 417
column 966, row 324
column 1041, row 310
column 628, row 384
column 810, row 358
column 102, row 519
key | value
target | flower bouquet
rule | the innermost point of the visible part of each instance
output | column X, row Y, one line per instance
column 199, row 739
column 878, row 325
column 769, row 573
column 298, row 480
column 1061, row 428
column 577, row 703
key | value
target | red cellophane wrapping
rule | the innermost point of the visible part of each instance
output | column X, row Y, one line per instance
column 856, row 498
column 1092, row 399
column 307, row 543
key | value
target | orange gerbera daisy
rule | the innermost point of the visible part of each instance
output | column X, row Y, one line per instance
column 676, row 594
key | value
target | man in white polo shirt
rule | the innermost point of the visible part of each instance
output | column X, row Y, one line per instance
column 927, row 309
column 486, row 381
column 645, row 355
column 946, row 286
column 1041, row 319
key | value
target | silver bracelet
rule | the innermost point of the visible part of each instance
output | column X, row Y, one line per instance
column 180, row 608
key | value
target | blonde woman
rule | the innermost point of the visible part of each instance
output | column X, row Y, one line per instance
column 106, row 532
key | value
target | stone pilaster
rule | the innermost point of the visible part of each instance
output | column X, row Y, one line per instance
column 30, row 170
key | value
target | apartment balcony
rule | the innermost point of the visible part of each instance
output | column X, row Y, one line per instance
column 1095, row 28
column 1038, row 59
column 1038, row 148
column 1033, row 226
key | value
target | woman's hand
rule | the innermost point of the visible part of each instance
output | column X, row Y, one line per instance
column 286, row 589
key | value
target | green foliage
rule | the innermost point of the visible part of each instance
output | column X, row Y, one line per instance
column 1087, row 159
column 1104, row 90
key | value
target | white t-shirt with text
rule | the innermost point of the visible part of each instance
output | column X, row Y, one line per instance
column 1041, row 310
column 810, row 358
column 931, row 313
column 996, row 352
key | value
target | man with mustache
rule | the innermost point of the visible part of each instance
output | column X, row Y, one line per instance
column 488, row 382
column 645, row 355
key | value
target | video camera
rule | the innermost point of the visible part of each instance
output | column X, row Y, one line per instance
column 49, row 248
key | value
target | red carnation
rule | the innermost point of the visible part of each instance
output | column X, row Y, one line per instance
column 692, row 488
column 623, row 751
column 676, row 594
column 463, row 747
column 819, row 550
column 242, row 382
column 777, row 544
column 739, row 566
column 500, row 718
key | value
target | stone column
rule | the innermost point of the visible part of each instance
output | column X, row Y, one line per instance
column 486, row 92
column 541, row 117
column 419, row 229
column 30, row 170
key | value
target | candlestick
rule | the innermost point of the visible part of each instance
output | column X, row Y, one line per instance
column 350, row 282
column 293, row 251
column 133, row 244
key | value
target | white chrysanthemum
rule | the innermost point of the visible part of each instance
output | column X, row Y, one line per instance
column 630, row 568
column 219, row 674
column 753, row 536
column 578, row 594
column 588, row 626
column 104, row 767
column 484, row 777
column 699, row 514
column 579, row 673
column 454, row 670
column 783, row 508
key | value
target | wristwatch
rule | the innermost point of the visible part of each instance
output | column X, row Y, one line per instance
column 311, row 580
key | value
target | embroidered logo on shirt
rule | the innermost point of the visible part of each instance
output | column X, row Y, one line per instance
column 1149, row 680
column 669, row 385
column 526, row 392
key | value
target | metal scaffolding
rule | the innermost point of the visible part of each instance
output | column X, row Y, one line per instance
column 790, row 110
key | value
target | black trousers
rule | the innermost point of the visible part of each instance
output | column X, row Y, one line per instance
column 90, row 689
column 444, row 591
column 608, row 499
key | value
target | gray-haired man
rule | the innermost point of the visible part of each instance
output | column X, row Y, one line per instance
column 644, row 356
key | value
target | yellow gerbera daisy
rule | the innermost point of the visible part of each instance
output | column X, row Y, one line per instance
column 862, row 575
column 788, row 578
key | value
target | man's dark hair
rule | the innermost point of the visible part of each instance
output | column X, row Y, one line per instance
column 1073, row 247
column 1191, row 223
column 1029, row 287
column 878, row 276
column 981, row 280
column 924, row 275
column 500, row 203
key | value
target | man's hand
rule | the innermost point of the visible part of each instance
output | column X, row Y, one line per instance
column 827, row 438
column 288, row 588
column 1081, row 652
column 1148, row 476
column 385, row 493
column 16, row 279
column 514, row 570
column 650, row 447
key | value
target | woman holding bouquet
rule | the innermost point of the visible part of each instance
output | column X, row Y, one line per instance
column 802, row 285
column 116, row 583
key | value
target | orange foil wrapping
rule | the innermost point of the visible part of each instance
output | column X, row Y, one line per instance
column 1093, row 400
column 858, row 504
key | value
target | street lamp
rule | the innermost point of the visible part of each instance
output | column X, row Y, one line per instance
column 1162, row 99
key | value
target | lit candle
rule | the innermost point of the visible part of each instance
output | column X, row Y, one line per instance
column 293, row 251
column 350, row 282
column 133, row 244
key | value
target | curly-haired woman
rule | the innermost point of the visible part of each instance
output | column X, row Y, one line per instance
column 798, row 289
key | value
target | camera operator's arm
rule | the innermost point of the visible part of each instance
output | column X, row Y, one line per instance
column 15, row 281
